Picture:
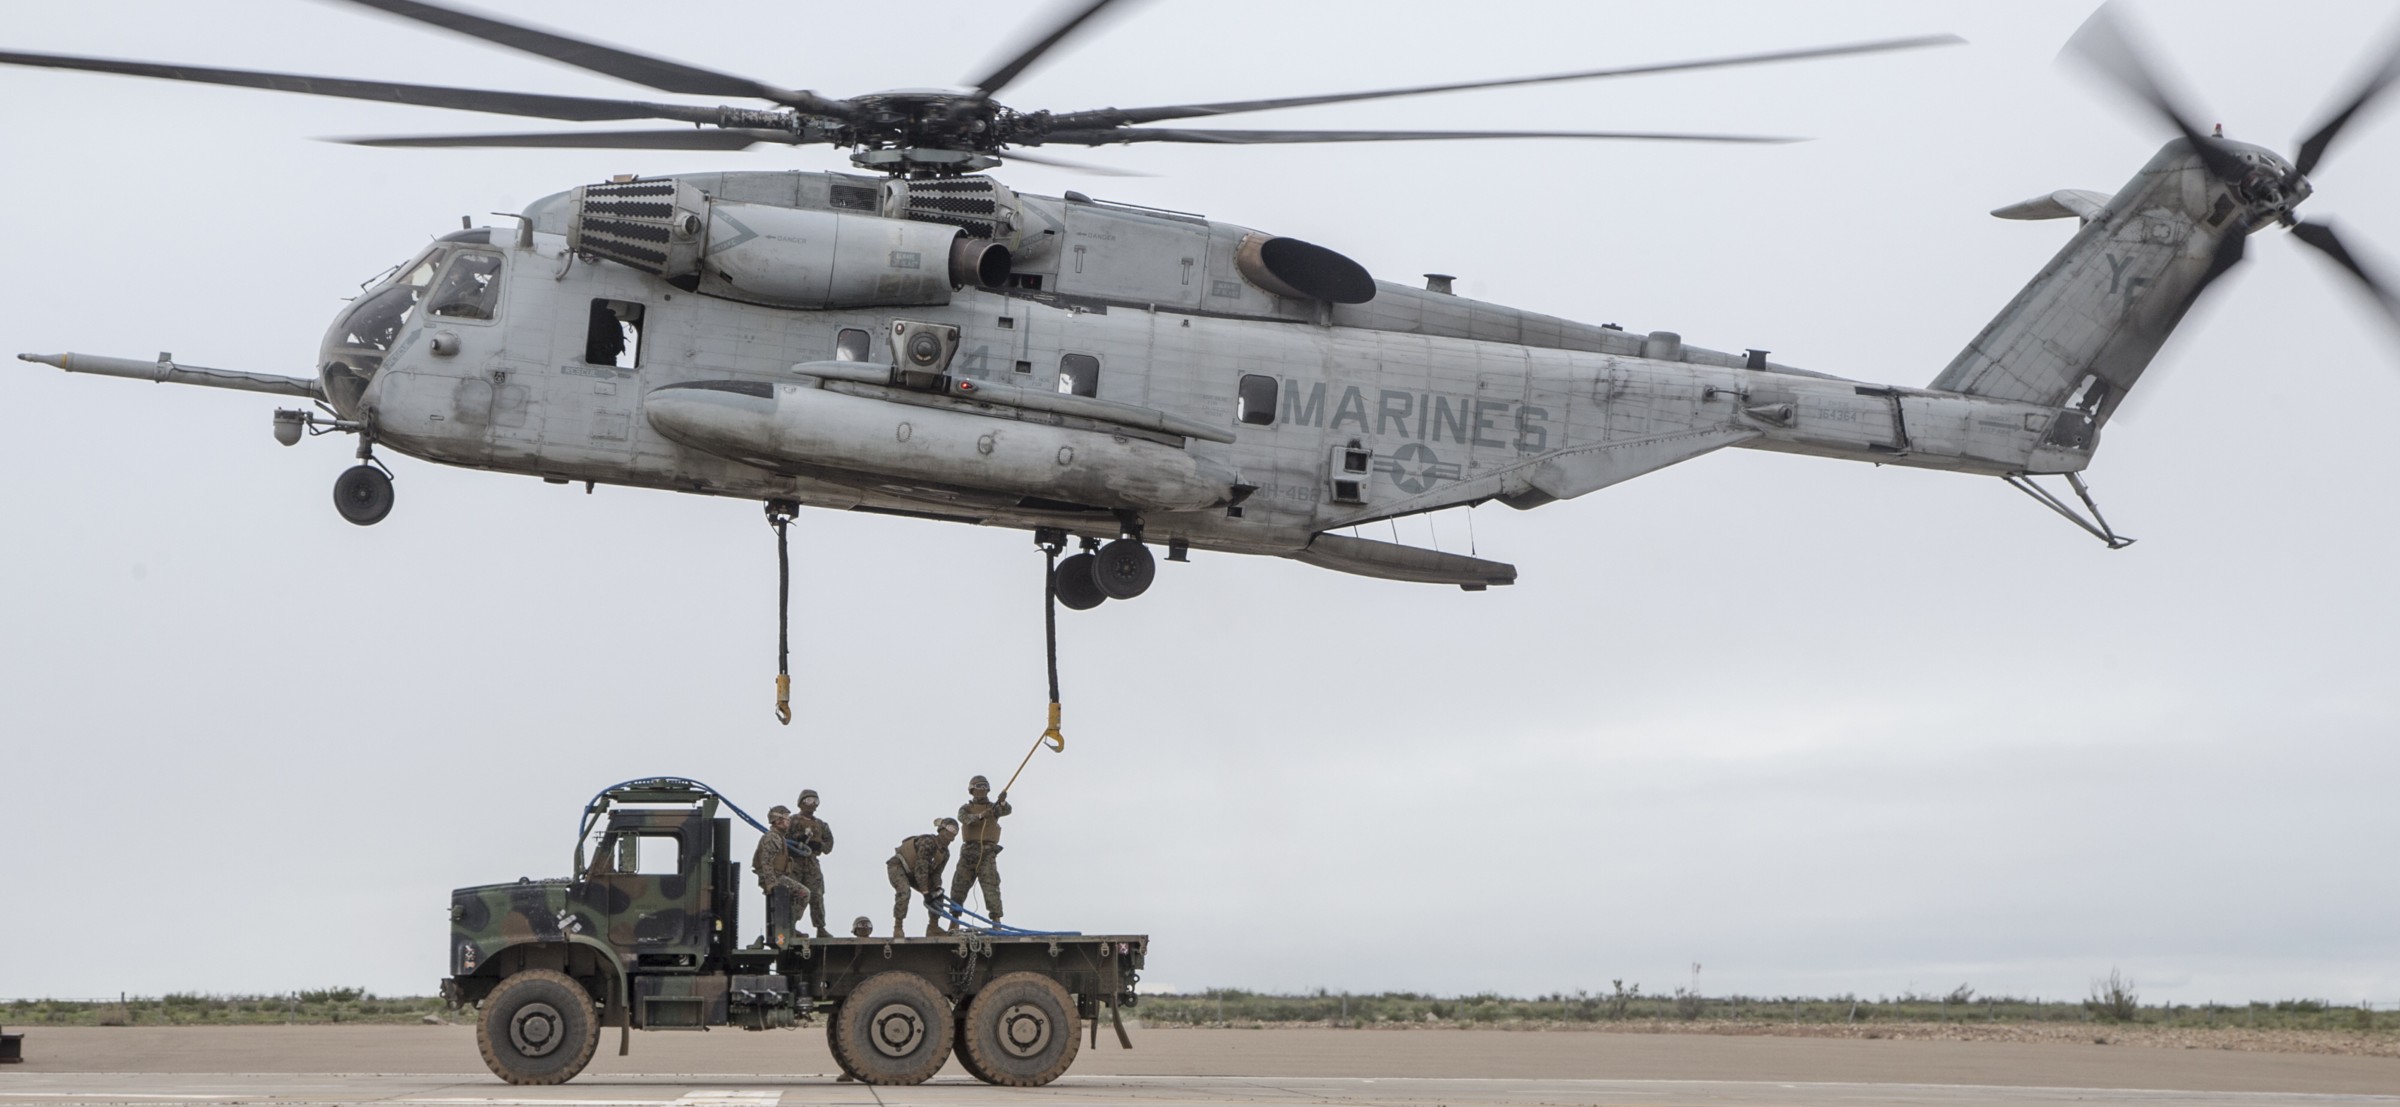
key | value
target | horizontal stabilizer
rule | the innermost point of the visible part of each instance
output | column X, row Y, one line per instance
column 2066, row 203
column 1367, row 557
column 165, row 371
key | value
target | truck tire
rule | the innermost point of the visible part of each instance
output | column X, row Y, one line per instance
column 537, row 1027
column 965, row 1057
column 833, row 1043
column 894, row 1028
column 1021, row 1030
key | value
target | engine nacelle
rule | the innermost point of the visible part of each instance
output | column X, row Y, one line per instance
column 779, row 256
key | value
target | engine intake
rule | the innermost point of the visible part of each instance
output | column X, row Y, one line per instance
column 1302, row 270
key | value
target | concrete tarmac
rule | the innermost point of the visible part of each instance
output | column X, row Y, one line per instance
column 437, row 1066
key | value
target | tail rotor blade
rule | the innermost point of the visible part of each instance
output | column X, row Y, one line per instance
column 2330, row 244
column 2312, row 150
column 2109, row 49
column 2230, row 253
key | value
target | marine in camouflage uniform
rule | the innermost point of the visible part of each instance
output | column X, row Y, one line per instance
column 771, row 862
column 813, row 838
column 979, row 852
column 917, row 867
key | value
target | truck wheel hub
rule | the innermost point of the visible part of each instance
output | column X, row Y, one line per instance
column 896, row 1030
column 1024, row 1030
column 534, row 1029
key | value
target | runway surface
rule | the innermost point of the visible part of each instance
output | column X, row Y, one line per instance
column 437, row 1066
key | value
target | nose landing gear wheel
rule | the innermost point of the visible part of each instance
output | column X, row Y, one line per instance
column 1078, row 588
column 363, row 494
column 1124, row 569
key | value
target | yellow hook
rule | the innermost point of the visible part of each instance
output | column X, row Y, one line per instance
column 1056, row 740
column 783, row 698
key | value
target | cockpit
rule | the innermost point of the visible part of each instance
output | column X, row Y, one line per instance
column 450, row 279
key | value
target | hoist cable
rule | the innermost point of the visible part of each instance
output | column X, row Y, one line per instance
column 781, row 520
column 1052, row 737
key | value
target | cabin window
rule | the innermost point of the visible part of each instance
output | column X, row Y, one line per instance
column 614, row 334
column 1255, row 402
column 1079, row 375
column 850, row 345
column 469, row 289
column 640, row 855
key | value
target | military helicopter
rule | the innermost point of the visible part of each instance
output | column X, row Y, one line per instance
column 918, row 339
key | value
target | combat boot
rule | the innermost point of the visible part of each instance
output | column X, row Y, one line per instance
column 933, row 928
column 824, row 933
column 900, row 927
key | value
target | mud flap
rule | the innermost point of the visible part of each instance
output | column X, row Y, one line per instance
column 1117, row 1019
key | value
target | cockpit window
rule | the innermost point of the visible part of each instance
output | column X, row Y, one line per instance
column 421, row 274
column 354, row 348
column 469, row 289
column 364, row 334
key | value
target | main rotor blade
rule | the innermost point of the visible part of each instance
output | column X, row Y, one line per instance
column 1070, row 21
column 1252, row 138
column 2313, row 149
column 2330, row 244
column 625, row 65
column 577, row 108
column 2104, row 44
column 1078, row 166
column 725, row 139
column 1119, row 116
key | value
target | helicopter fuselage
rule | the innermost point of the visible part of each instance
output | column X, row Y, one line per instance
column 1330, row 416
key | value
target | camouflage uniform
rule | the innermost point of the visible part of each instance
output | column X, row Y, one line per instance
column 771, row 862
column 979, row 848
column 813, row 838
column 917, row 867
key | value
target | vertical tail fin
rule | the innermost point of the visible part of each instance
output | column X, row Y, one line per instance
column 2083, row 331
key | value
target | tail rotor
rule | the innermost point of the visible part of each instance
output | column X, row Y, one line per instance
column 2108, row 46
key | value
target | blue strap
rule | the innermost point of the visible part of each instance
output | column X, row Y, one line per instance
column 959, row 914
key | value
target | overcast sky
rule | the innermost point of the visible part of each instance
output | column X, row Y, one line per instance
column 1818, row 727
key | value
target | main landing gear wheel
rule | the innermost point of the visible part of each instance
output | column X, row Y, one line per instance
column 1020, row 1030
column 1078, row 587
column 363, row 494
column 537, row 1027
column 1124, row 569
column 894, row 1029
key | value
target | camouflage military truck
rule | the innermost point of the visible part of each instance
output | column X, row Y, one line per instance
column 645, row 936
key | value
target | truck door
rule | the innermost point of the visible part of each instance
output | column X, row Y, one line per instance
column 656, row 887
